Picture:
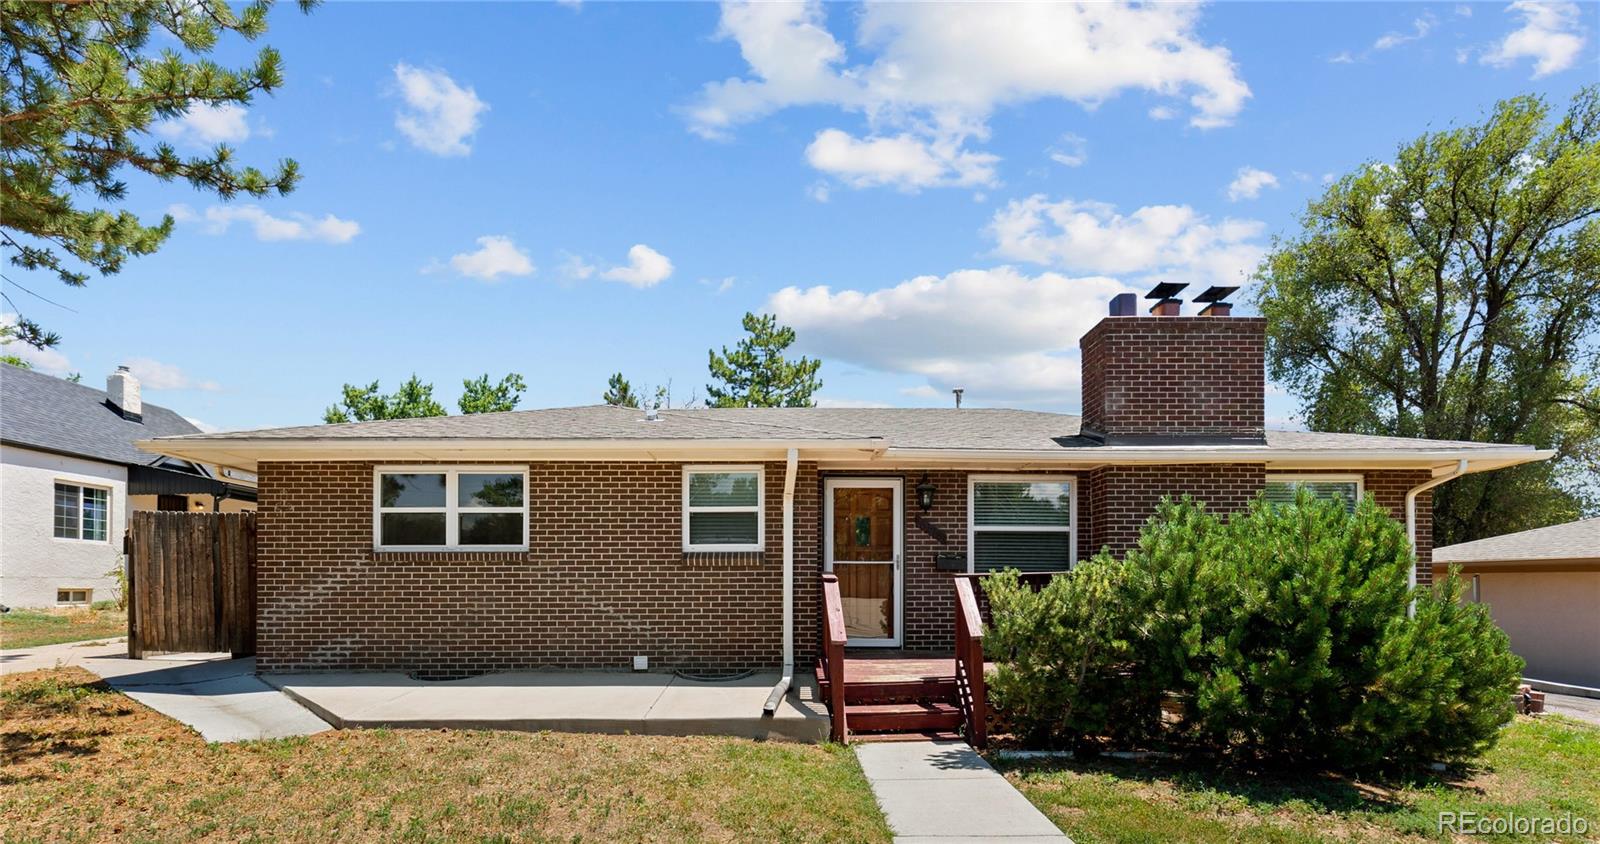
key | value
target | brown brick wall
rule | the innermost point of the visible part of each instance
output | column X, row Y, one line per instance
column 1192, row 376
column 605, row 578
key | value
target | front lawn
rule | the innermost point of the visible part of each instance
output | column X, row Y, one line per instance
column 32, row 628
column 1544, row 767
column 82, row 762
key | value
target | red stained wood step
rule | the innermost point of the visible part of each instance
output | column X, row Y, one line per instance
column 902, row 717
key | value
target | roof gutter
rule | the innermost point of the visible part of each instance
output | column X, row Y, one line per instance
column 791, row 467
column 1507, row 455
column 1411, row 523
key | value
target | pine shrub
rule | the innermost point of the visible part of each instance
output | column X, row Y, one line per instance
column 1283, row 631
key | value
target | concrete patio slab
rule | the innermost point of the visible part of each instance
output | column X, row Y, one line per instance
column 944, row 791
column 590, row 702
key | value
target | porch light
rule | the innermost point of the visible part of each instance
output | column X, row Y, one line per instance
column 925, row 490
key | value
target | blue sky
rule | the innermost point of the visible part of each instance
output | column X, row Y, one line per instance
column 934, row 196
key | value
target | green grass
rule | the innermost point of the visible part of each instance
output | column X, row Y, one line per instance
column 1544, row 767
column 81, row 762
column 32, row 628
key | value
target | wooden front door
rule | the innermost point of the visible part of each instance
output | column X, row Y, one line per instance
column 862, row 538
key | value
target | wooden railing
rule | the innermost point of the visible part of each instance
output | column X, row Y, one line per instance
column 833, row 641
column 969, row 664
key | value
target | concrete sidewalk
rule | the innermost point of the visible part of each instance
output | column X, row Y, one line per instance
column 220, row 698
column 943, row 791
column 562, row 701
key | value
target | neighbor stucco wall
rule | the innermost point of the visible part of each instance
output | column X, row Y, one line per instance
column 1553, row 619
column 33, row 563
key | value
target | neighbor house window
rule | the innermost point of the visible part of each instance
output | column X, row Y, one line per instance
column 73, row 597
column 82, row 512
column 469, row 508
column 1282, row 489
column 722, row 508
column 1021, row 522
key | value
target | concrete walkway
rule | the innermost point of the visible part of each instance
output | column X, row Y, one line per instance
column 943, row 791
column 562, row 701
column 1573, row 706
column 220, row 698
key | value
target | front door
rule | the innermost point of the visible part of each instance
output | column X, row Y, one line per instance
column 862, row 518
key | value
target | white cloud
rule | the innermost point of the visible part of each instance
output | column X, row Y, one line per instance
column 155, row 375
column 1249, row 182
column 1464, row 10
column 495, row 256
column 1162, row 113
column 1420, row 27
column 1172, row 241
column 45, row 360
column 205, row 427
column 902, row 161
column 718, row 286
column 939, row 71
column 826, row 401
column 921, row 391
column 1070, row 151
column 297, row 226
column 208, row 124
column 998, row 333
column 646, row 268
column 1550, row 35
column 820, row 191
column 575, row 268
column 1342, row 57
column 439, row 116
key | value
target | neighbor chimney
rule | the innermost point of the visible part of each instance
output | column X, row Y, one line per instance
column 1166, row 378
column 122, row 393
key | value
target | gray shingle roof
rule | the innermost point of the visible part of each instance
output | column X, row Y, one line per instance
column 1574, row 540
column 50, row 413
column 978, row 429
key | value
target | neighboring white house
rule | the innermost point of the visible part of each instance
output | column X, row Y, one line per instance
column 69, row 474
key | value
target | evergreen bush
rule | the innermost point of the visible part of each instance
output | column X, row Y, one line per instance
column 1283, row 630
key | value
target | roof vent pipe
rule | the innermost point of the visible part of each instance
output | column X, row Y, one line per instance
column 958, row 391
column 652, row 413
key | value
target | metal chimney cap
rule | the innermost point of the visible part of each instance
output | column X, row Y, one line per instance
column 1166, row 290
column 1216, row 293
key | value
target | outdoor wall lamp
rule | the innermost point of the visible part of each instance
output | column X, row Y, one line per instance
column 925, row 491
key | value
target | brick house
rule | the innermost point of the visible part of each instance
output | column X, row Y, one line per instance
column 585, row 537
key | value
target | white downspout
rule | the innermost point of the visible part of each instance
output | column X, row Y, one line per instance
column 778, row 691
column 1411, row 522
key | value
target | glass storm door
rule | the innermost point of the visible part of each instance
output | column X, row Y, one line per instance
column 862, row 546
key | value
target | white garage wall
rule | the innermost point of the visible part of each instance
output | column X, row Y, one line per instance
column 33, row 563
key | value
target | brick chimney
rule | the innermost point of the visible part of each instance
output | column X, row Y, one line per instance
column 122, row 393
column 1165, row 377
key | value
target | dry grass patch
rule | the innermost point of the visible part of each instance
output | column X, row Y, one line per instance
column 32, row 628
column 82, row 762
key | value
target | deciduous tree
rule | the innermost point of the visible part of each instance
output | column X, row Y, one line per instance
column 1454, row 293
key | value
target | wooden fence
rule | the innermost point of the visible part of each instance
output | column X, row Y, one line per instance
column 191, row 582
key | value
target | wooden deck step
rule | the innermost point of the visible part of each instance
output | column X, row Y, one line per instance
column 902, row 717
column 921, row 735
column 884, row 681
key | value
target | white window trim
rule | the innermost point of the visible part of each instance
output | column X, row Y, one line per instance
column 972, row 514
column 88, row 596
column 452, row 510
column 760, row 506
column 110, row 499
column 1358, row 479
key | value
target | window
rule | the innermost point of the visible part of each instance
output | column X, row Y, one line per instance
column 1021, row 522
column 1281, row 489
column 722, row 508
column 428, row 508
column 73, row 597
column 82, row 512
